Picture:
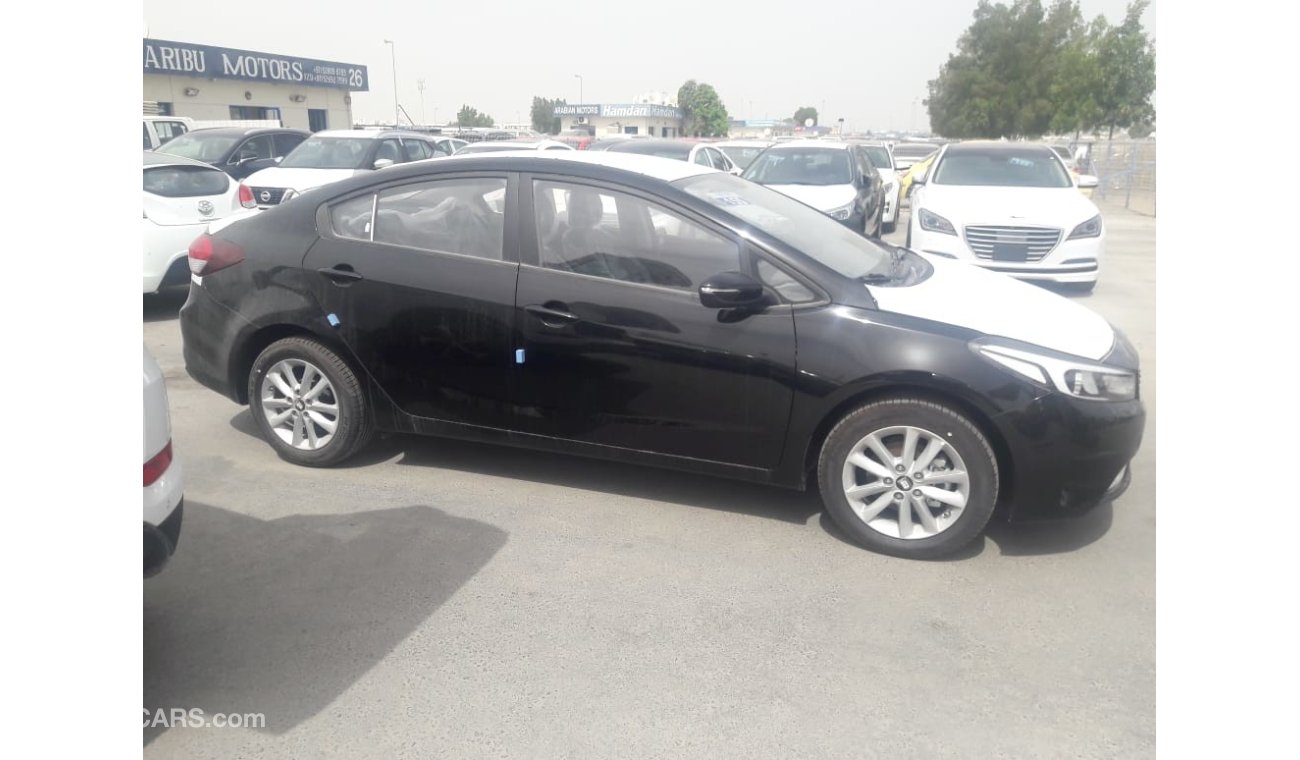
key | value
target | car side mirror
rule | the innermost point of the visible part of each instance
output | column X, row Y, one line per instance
column 1088, row 180
column 278, row 159
column 919, row 179
column 384, row 163
column 730, row 290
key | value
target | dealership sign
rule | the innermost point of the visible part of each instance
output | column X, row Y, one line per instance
column 621, row 111
column 185, row 59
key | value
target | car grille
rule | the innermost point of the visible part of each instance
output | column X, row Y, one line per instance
column 267, row 196
column 1012, row 243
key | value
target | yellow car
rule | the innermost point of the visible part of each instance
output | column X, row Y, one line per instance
column 916, row 170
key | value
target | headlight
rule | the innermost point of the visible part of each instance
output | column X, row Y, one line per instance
column 842, row 213
column 934, row 223
column 288, row 194
column 1077, row 378
column 1090, row 228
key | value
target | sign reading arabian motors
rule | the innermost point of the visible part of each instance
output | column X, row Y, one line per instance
column 623, row 111
column 185, row 59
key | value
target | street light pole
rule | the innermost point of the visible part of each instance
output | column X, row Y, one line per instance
column 580, row 97
column 392, row 48
column 419, row 85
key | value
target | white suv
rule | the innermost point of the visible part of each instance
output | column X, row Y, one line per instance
column 1009, row 207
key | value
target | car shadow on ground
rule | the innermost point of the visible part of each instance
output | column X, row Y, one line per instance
column 165, row 304
column 642, row 482
column 280, row 617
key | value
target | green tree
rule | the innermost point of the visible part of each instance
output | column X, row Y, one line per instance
column 470, row 117
column 543, row 115
column 804, row 114
column 704, row 115
column 1127, row 67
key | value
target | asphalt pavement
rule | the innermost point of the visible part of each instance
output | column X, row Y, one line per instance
column 445, row 599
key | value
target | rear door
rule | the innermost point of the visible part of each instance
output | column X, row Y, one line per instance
column 420, row 278
column 617, row 348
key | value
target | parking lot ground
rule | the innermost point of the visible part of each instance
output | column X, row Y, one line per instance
column 445, row 599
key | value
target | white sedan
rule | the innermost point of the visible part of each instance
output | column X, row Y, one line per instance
column 181, row 197
column 1008, row 207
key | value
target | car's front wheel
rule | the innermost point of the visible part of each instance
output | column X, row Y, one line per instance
column 308, row 403
column 908, row 477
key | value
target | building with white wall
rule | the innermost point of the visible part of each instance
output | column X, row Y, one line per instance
column 209, row 83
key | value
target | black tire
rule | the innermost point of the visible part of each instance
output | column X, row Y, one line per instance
column 908, row 244
column 355, row 424
column 889, row 227
column 958, row 431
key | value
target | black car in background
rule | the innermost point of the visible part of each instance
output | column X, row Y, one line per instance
column 835, row 178
column 659, row 312
column 237, row 151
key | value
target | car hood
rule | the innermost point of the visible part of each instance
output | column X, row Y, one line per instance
column 298, row 179
column 1050, row 206
column 822, row 197
column 997, row 305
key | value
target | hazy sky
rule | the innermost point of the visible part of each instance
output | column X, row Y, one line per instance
column 867, row 62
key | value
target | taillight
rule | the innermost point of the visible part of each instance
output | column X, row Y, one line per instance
column 246, row 196
column 210, row 254
column 583, row 143
column 154, row 468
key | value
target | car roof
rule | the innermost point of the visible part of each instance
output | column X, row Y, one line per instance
column 743, row 143
column 804, row 144
column 651, row 145
column 656, row 167
column 372, row 134
column 989, row 146
column 246, row 131
column 166, row 159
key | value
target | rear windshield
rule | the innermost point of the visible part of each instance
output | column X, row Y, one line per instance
column 742, row 157
column 185, row 181
column 329, row 153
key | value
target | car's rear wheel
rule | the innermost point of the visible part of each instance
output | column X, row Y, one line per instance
column 308, row 403
column 908, row 477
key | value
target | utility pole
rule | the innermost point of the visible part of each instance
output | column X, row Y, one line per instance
column 392, row 48
column 419, row 85
column 581, row 100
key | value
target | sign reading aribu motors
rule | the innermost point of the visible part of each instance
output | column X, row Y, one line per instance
column 185, row 59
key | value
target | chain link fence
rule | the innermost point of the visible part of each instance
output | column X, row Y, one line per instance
column 1126, row 172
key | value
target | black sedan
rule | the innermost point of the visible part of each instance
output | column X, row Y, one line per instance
column 659, row 312
column 236, row 151
column 835, row 178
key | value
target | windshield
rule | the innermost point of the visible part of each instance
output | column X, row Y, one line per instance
column 801, row 227
column 915, row 151
column 742, row 157
column 200, row 147
column 801, row 166
column 1002, row 168
column 879, row 156
column 328, row 153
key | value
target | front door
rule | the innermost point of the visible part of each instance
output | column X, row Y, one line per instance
column 420, row 279
column 617, row 348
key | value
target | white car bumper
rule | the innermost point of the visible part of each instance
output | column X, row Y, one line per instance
column 1069, row 261
column 162, row 518
column 164, row 245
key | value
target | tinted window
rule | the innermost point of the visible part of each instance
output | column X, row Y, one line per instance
column 147, row 142
column 390, row 150
column 447, row 216
column 416, row 150
column 777, row 279
column 742, row 157
column 185, row 181
column 351, row 219
column 329, row 153
column 200, row 146
column 621, row 237
column 284, row 144
column 255, row 147
column 801, row 166
column 1001, row 168
column 879, row 156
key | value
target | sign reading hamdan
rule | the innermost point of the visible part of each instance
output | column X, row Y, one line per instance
column 185, row 59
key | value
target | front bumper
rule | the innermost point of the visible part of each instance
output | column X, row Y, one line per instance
column 1071, row 261
column 1068, row 455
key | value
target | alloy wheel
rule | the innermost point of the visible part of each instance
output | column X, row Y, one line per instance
column 906, row 482
column 300, row 404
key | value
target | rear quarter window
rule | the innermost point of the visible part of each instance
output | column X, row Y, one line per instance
column 185, row 181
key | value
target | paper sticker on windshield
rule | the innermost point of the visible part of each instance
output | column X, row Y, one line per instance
column 1018, row 161
column 728, row 199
